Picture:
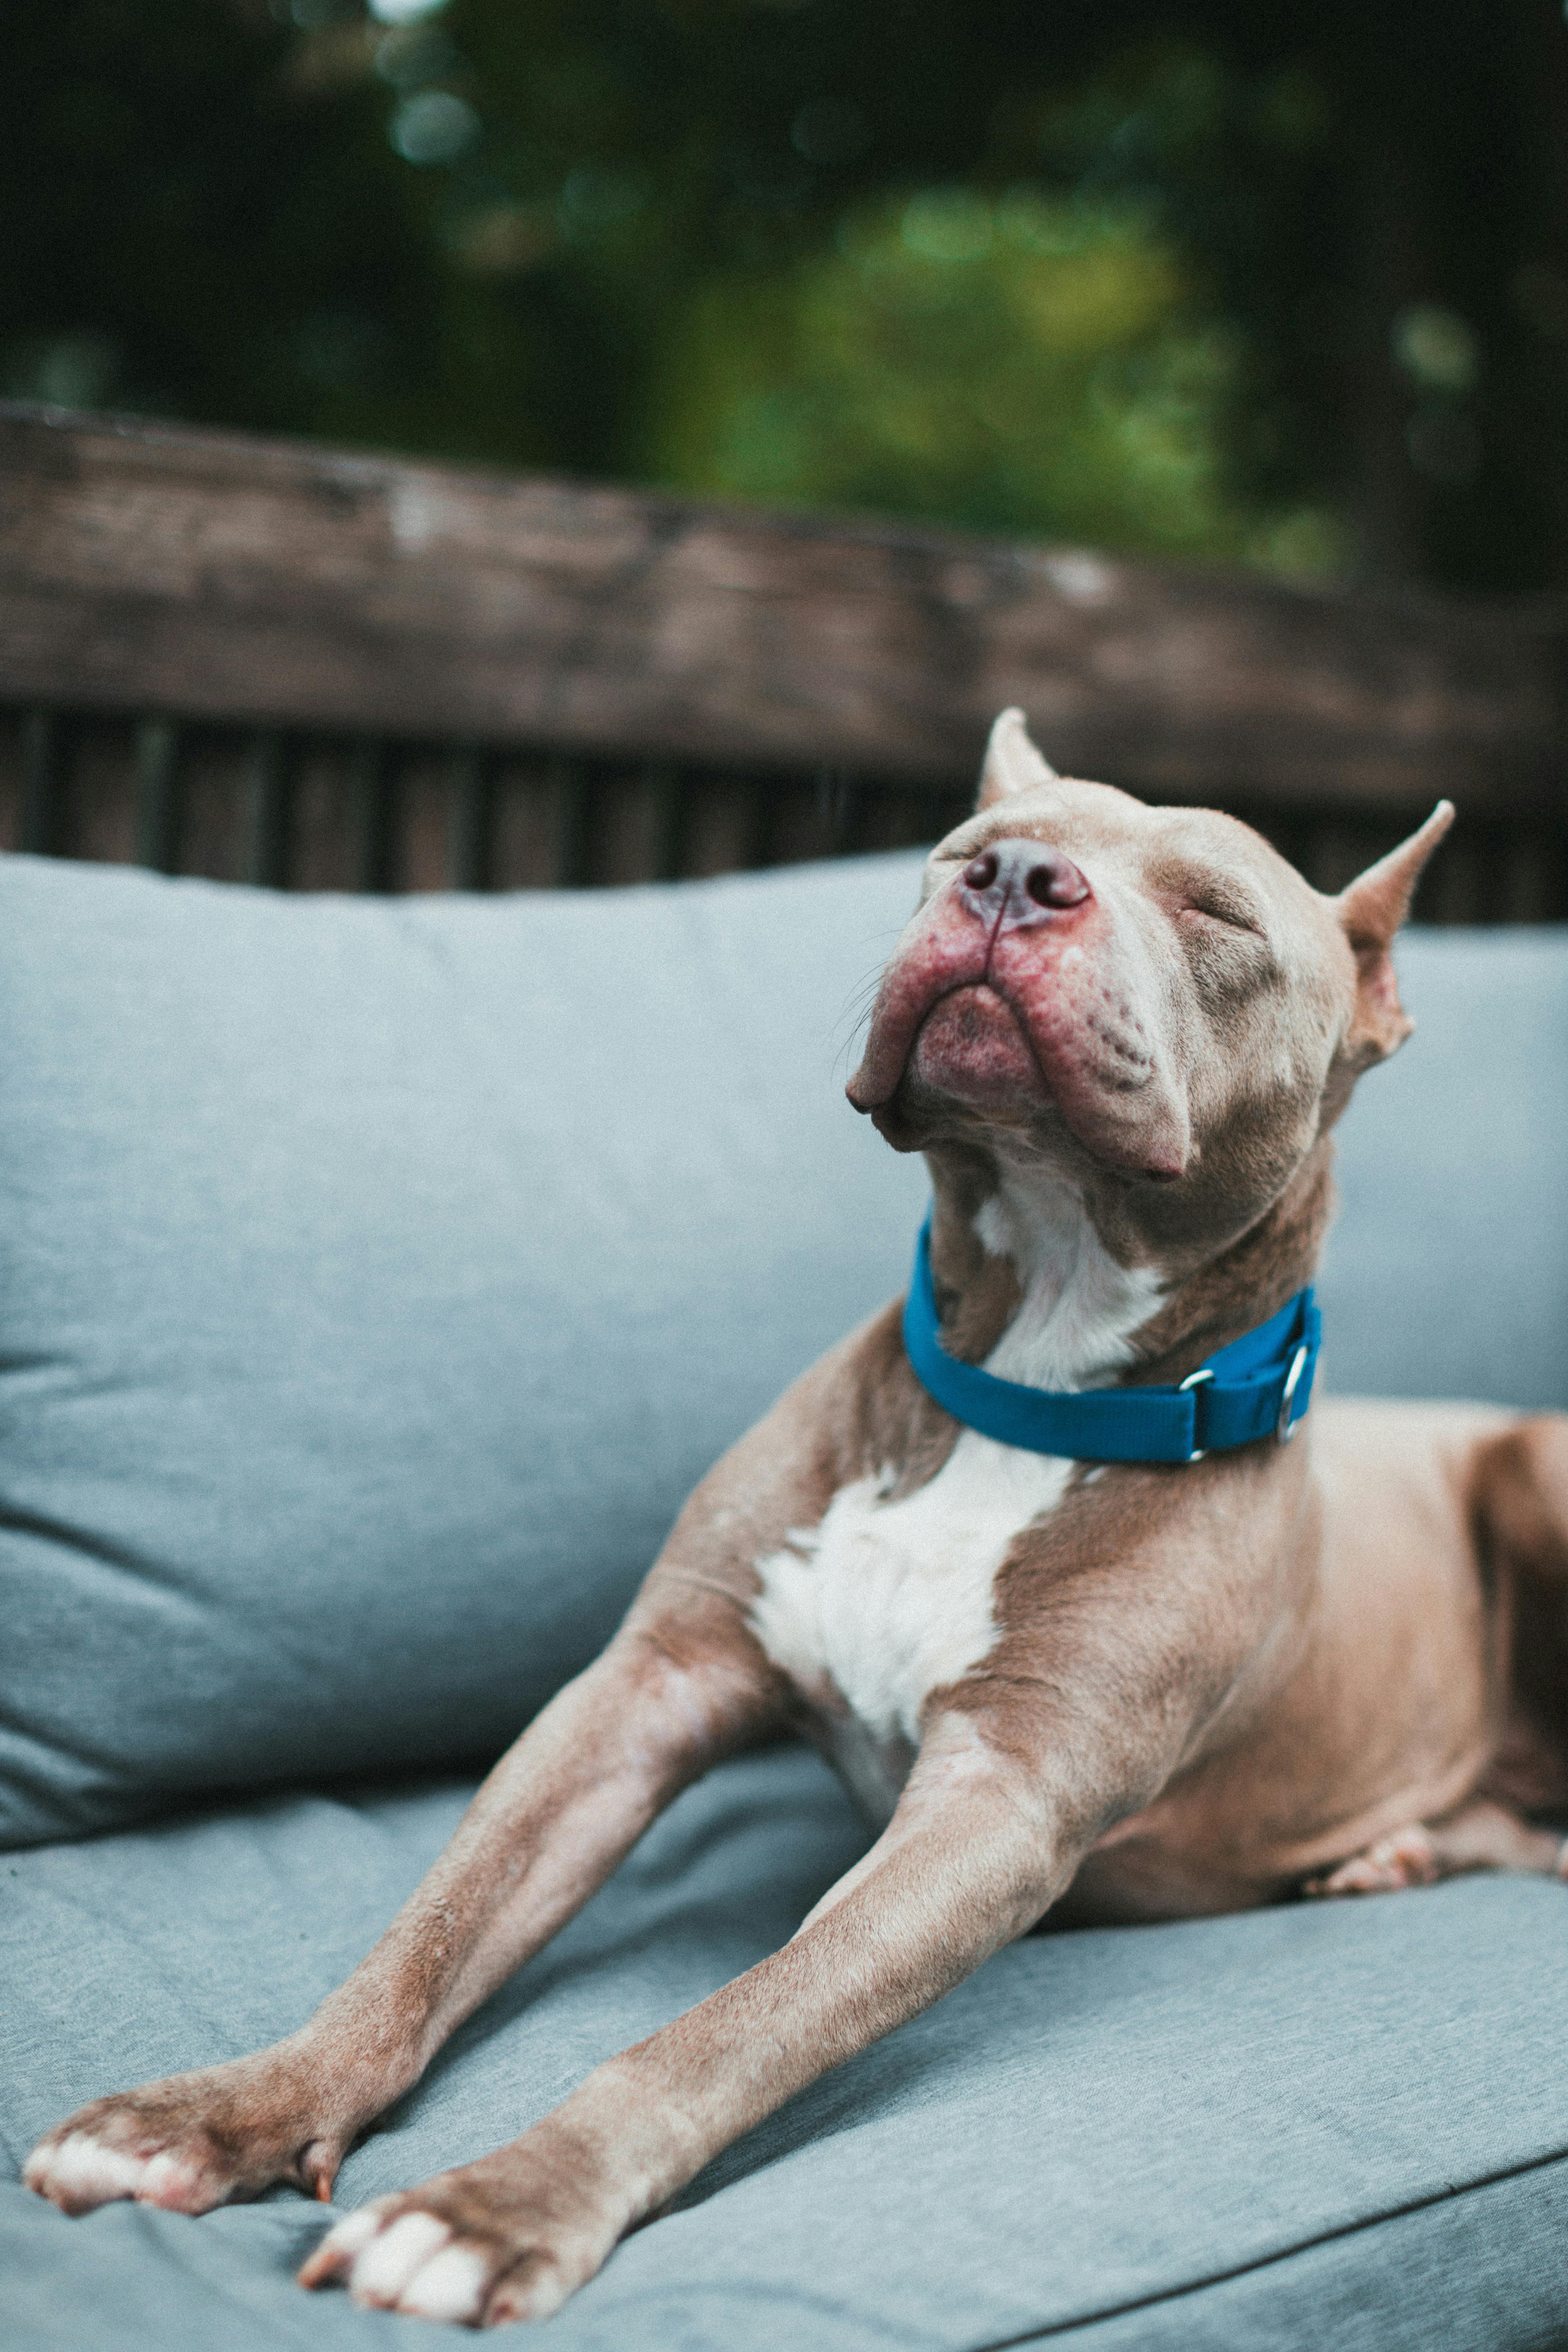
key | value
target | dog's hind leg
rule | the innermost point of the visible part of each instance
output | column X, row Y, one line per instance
column 1519, row 1521
column 1518, row 1508
column 1518, row 1518
column 1479, row 1836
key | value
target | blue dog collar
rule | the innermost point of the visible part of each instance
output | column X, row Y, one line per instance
column 1259, row 1386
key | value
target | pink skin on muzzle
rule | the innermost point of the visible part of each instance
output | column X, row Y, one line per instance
column 1013, row 989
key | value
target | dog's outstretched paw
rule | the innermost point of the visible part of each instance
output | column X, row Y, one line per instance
column 80, row 2168
column 1408, row 1858
column 506, row 2238
column 190, row 2143
column 396, row 2256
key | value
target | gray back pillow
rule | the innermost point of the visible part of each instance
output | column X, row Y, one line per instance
column 1446, row 1271
column 377, row 1276
column 375, row 1279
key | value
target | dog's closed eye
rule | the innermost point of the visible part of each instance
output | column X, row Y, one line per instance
column 1215, row 906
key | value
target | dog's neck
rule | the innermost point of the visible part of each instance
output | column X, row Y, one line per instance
column 1027, row 1285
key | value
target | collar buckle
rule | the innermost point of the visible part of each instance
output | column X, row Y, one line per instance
column 1285, row 1428
column 1195, row 1380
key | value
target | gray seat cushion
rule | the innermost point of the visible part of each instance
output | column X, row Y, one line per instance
column 1320, row 2127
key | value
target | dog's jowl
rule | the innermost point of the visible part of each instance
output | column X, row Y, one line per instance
column 1092, row 1606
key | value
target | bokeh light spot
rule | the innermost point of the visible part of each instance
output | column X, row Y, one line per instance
column 1436, row 348
column 77, row 371
column 503, row 240
column 436, row 127
column 947, row 225
column 403, row 12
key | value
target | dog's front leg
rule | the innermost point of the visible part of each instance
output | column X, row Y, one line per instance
column 683, row 1681
column 971, row 1859
column 555, row 1816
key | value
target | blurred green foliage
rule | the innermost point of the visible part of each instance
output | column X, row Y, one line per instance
column 1222, row 281
column 1022, row 364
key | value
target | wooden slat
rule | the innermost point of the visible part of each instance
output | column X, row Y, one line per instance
column 469, row 822
column 267, row 811
column 572, row 809
column 374, row 822
column 158, row 794
column 155, row 569
column 522, row 843
column 39, row 825
column 96, row 817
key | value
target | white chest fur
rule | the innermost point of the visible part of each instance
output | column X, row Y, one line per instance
column 886, row 1600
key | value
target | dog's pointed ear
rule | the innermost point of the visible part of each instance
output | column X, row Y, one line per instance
column 1371, row 910
column 1011, row 764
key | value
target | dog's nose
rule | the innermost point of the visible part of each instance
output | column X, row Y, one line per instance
column 1022, row 882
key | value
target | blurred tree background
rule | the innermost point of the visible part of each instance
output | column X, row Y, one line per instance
column 1230, row 280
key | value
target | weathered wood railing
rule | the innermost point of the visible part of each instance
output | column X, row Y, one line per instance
column 257, row 661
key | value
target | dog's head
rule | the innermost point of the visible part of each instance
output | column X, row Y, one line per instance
column 1150, row 1003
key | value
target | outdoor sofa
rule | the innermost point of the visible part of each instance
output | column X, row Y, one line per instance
column 375, row 1277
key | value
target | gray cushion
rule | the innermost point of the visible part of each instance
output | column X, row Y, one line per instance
column 358, row 1259
column 1447, row 1274
column 378, row 1277
column 377, row 1280
column 1321, row 2125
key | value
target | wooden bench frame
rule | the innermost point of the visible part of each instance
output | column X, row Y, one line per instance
column 267, row 661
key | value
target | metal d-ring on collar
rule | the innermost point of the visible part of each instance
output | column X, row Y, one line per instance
column 1285, row 1427
column 1257, row 1387
column 1195, row 1380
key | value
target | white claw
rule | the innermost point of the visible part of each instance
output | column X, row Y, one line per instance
column 167, row 2180
column 390, row 2261
column 451, row 2286
column 82, row 2173
column 354, row 2231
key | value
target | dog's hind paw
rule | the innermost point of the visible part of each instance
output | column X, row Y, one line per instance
column 1477, row 1835
column 1408, row 1858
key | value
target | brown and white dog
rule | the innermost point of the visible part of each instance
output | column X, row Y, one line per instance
column 1120, row 1035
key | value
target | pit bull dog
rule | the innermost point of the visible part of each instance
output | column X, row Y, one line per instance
column 1112, row 1684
